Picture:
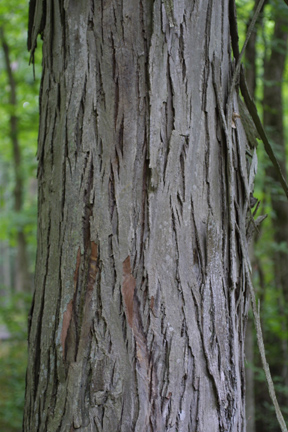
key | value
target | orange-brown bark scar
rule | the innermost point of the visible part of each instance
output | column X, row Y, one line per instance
column 128, row 288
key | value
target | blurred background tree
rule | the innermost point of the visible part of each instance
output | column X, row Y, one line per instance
column 267, row 76
column 18, row 204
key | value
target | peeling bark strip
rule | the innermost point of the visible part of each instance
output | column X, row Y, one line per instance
column 147, row 378
column 128, row 288
column 144, row 332
column 92, row 273
column 68, row 313
column 93, row 267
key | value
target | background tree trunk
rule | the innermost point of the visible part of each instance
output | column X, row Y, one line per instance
column 251, row 77
column 6, row 267
column 139, row 311
column 273, row 115
column 22, row 276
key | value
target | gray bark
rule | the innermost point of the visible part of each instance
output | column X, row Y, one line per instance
column 250, row 393
column 139, row 311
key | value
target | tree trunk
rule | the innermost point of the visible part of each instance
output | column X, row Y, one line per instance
column 139, row 312
column 250, row 393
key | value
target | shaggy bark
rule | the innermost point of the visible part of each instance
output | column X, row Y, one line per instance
column 138, row 317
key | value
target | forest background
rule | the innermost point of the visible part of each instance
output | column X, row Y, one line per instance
column 267, row 76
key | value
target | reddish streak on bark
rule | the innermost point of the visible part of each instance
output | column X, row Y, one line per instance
column 78, row 259
column 128, row 288
column 93, row 268
column 145, row 366
column 87, row 311
column 152, row 304
column 68, row 313
column 66, row 323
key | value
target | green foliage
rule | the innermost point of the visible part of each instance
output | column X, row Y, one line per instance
column 14, row 307
column 274, row 310
column 13, row 313
column 13, row 361
column 13, row 21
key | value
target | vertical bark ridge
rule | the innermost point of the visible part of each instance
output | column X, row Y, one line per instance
column 146, row 334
